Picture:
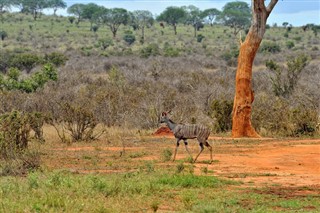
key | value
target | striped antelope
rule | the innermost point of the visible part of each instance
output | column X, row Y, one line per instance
column 188, row 131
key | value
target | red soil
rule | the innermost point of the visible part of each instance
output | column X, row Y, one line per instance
column 163, row 131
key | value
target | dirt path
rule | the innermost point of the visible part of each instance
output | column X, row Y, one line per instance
column 263, row 162
column 285, row 163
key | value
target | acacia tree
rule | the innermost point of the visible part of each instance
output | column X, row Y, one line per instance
column 92, row 12
column 142, row 18
column 4, row 4
column 236, row 15
column 114, row 17
column 211, row 14
column 31, row 6
column 193, row 17
column 77, row 10
column 244, row 95
column 172, row 15
column 57, row 4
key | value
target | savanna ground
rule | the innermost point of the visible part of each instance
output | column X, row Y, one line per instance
column 131, row 171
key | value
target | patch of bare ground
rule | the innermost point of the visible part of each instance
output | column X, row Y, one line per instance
column 255, row 162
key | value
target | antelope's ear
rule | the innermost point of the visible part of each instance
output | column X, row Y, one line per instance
column 169, row 111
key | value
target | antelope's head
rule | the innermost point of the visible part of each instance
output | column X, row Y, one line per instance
column 164, row 117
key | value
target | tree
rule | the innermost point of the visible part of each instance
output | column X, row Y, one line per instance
column 211, row 14
column 113, row 18
column 34, row 7
column 57, row 4
column 4, row 5
column 77, row 10
column 141, row 19
column 236, row 15
column 244, row 94
column 193, row 17
column 172, row 15
column 284, row 85
column 92, row 12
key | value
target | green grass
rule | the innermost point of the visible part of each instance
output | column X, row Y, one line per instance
column 60, row 191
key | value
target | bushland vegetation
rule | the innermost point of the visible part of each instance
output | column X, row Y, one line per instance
column 120, row 81
column 84, row 80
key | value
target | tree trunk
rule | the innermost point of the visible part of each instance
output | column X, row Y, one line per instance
column 175, row 29
column 142, row 34
column 244, row 94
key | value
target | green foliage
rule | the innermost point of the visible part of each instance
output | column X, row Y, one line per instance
column 211, row 14
column 200, row 37
column 236, row 15
column 150, row 50
column 129, row 38
column 283, row 84
column 55, row 58
column 191, row 181
column 115, row 17
column 104, row 43
column 95, row 28
column 230, row 56
column 290, row 44
column 170, row 51
column 3, row 34
column 15, row 129
column 173, row 16
column 14, row 134
column 71, row 19
column 282, row 118
column 31, row 84
column 77, row 11
column 221, row 110
column 166, row 155
column 269, row 47
column 25, row 61
column 14, row 74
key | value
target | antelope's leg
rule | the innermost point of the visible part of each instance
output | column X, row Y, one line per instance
column 210, row 148
column 175, row 151
column 186, row 145
column 201, row 149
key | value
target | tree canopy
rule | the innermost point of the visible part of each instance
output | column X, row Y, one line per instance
column 236, row 15
column 113, row 18
column 77, row 10
column 172, row 15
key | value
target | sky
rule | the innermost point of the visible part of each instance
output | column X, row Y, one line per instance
column 295, row 12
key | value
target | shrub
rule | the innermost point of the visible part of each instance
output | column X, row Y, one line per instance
column 31, row 84
column 289, row 44
column 3, row 34
column 284, row 85
column 231, row 56
column 278, row 116
column 75, row 120
column 150, row 50
column 129, row 38
column 171, row 52
column 221, row 110
column 105, row 43
column 95, row 28
column 15, row 129
column 270, row 47
column 71, row 19
column 200, row 37
column 14, row 134
column 25, row 61
column 55, row 58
